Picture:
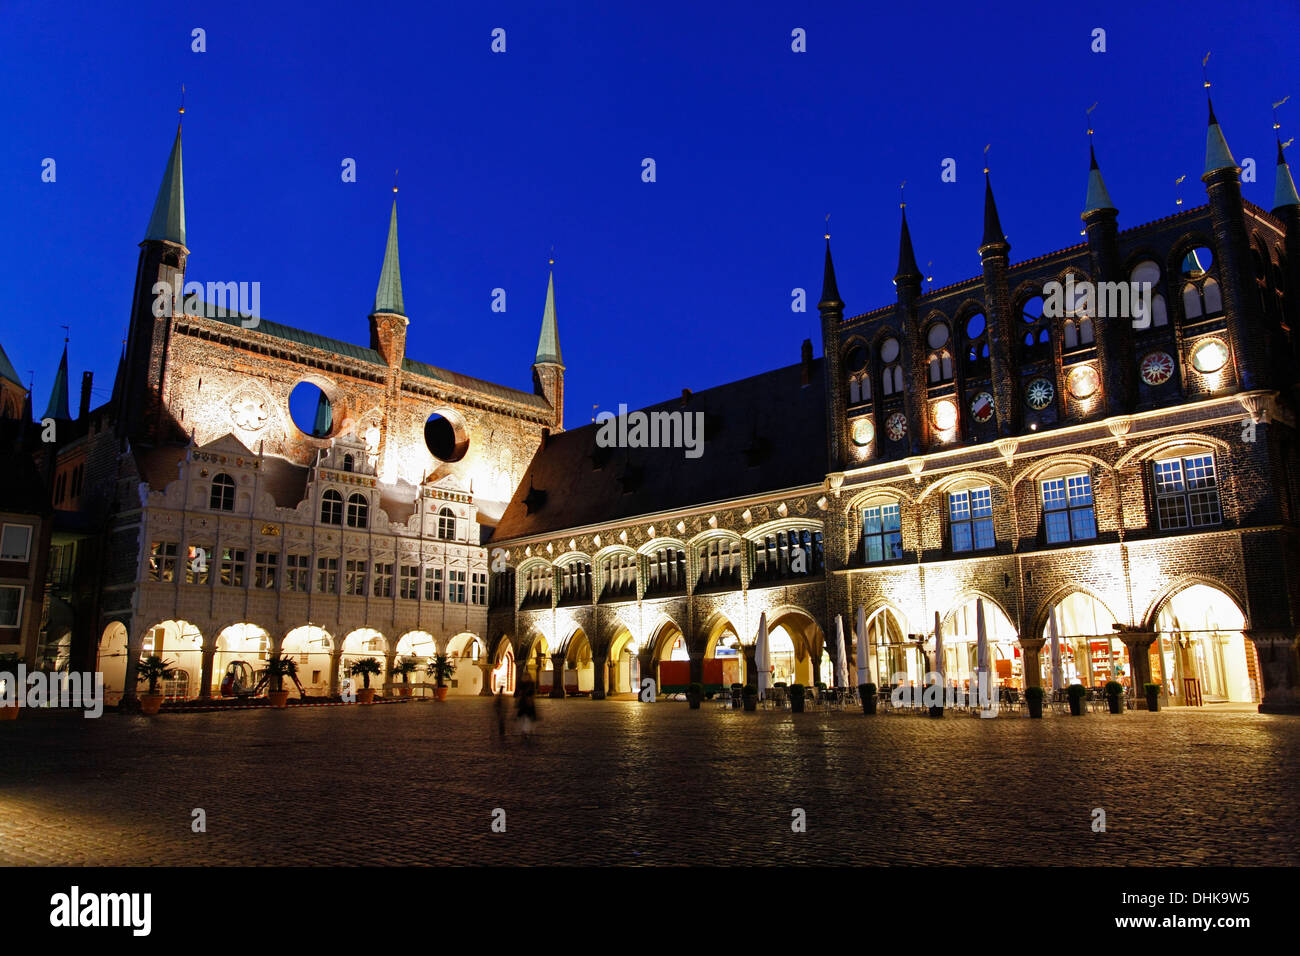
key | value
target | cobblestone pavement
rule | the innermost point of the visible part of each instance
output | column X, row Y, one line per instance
column 627, row 783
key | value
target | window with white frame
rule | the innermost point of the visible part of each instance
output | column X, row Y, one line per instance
column 1187, row 492
column 15, row 542
column 433, row 584
column 1068, row 509
column 456, row 587
column 222, row 496
column 354, row 577
column 297, row 569
column 383, row 579
column 234, row 564
column 970, row 517
column 409, row 583
column 882, row 538
column 264, row 568
column 162, row 561
column 478, row 587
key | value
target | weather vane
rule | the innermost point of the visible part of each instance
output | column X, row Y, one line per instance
column 551, row 259
column 1088, row 112
column 986, row 158
column 1178, row 182
column 394, row 182
column 1205, row 73
column 1276, row 124
column 182, row 110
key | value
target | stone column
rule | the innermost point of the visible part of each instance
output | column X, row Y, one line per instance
column 1139, row 651
column 486, row 689
column 598, row 665
column 557, row 685
column 1032, row 646
column 336, row 661
column 1279, row 670
column 134, row 646
column 697, row 666
column 205, row 680
column 390, row 658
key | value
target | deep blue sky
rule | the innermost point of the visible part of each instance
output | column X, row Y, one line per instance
column 685, row 282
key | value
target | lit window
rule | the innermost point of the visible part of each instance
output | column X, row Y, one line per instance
column 1068, row 509
column 162, row 560
column 882, row 539
column 446, row 524
column 264, row 567
column 234, row 563
column 1187, row 492
column 970, row 513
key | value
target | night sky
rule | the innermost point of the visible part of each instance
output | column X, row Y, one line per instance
column 684, row 282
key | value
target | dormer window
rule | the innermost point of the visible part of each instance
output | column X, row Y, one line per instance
column 348, row 462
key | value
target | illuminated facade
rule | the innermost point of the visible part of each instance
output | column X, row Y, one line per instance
column 208, row 515
column 1127, row 471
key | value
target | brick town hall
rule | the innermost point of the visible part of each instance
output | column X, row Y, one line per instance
column 1135, row 482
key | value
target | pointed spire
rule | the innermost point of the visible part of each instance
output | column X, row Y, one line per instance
column 388, row 297
column 168, row 219
column 1217, row 154
column 1284, row 193
column 1098, row 197
column 992, row 226
column 831, row 300
column 119, row 380
column 7, row 371
column 548, row 343
column 906, row 257
column 58, row 406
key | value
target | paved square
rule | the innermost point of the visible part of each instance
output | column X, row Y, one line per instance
column 628, row 783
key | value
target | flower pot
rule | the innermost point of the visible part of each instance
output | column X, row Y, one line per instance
column 869, row 704
column 1153, row 700
column 150, row 704
column 694, row 701
column 936, row 711
column 9, row 713
column 796, row 705
column 1076, row 706
column 441, row 692
column 1112, row 701
column 366, row 695
column 278, row 698
column 404, row 691
column 751, row 703
column 1035, row 708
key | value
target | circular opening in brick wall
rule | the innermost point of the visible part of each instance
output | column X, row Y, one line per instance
column 1197, row 262
column 312, row 410
column 445, row 436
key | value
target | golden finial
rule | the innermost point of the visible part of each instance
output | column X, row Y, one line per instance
column 182, row 109
column 986, row 159
column 1205, row 73
column 1089, row 115
column 902, row 194
column 394, row 182
column 1276, row 124
column 551, row 259
column 828, row 227
column 1179, row 182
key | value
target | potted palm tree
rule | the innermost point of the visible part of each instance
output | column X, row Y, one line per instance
column 403, row 669
column 867, row 693
column 364, row 668
column 441, row 669
column 1153, row 696
column 153, row 669
column 9, row 670
column 277, row 668
column 1076, row 694
column 1034, row 698
column 695, row 694
column 1114, row 694
column 796, row 698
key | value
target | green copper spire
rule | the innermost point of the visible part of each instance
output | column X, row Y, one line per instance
column 388, row 297
column 168, row 219
column 548, row 344
column 1098, row 197
column 58, row 407
column 7, row 368
column 1217, row 154
column 1284, row 193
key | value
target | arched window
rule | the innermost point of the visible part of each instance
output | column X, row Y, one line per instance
column 882, row 538
column 331, row 507
column 855, row 364
column 348, row 462
column 1146, row 275
column 222, row 497
column 358, row 511
column 446, row 524
column 891, row 376
column 977, row 342
column 859, row 388
column 1201, row 293
column 940, row 366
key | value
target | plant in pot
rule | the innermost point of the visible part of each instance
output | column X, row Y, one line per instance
column 695, row 694
column 750, row 697
column 1076, row 693
column 1114, row 695
column 277, row 668
column 796, row 698
column 867, row 694
column 934, row 692
column 153, row 669
column 364, row 668
column 403, row 669
column 1153, row 696
column 10, row 692
column 1034, row 698
column 441, row 669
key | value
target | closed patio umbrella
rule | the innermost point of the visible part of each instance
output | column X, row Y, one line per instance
column 982, row 656
column 841, row 659
column 1058, row 678
column 864, row 662
column 760, row 656
column 938, row 648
